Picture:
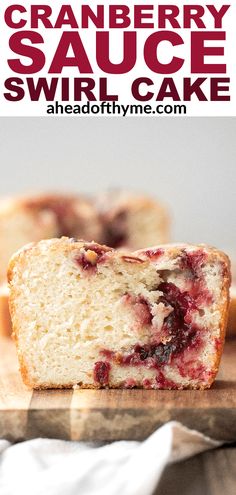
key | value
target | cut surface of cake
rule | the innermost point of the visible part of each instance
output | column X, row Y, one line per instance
column 90, row 316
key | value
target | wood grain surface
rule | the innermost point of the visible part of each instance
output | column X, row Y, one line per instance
column 105, row 415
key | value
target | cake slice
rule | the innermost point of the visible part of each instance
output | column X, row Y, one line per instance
column 87, row 315
column 132, row 220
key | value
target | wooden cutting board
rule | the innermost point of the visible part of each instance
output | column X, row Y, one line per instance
column 113, row 414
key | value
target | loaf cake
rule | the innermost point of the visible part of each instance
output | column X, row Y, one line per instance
column 86, row 315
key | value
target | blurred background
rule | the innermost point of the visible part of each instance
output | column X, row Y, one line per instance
column 190, row 164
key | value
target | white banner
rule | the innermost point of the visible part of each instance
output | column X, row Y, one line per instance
column 128, row 58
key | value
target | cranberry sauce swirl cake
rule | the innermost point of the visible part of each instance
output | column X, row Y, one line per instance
column 90, row 316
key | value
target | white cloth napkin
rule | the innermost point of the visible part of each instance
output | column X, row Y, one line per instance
column 57, row 467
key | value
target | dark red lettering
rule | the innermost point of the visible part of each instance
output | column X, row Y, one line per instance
column 191, row 88
column 9, row 13
column 168, row 90
column 217, row 86
column 218, row 15
column 136, row 89
column 40, row 13
column 66, row 16
column 13, row 85
column 35, row 54
column 97, row 19
column 119, row 16
column 168, row 13
column 128, row 57
column 199, row 51
column 140, row 14
column 70, row 40
column 151, row 56
column 194, row 13
column 42, row 85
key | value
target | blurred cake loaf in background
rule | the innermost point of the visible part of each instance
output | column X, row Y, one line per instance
column 117, row 219
column 131, row 220
column 5, row 319
column 231, row 328
column 32, row 218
